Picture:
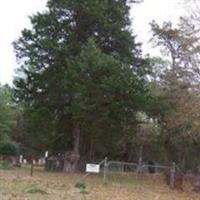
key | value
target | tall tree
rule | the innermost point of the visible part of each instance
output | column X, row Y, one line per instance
column 179, row 85
column 81, row 75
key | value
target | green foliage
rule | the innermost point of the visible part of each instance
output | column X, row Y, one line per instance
column 35, row 190
column 8, row 148
column 82, row 72
column 80, row 185
column 80, row 67
column 176, row 101
column 7, row 112
column 5, row 165
column 9, row 122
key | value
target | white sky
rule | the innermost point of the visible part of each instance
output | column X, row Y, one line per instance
column 14, row 17
column 158, row 10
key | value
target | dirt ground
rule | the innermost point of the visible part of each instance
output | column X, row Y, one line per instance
column 17, row 184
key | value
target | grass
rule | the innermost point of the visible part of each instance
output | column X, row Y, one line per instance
column 5, row 166
column 16, row 184
column 34, row 190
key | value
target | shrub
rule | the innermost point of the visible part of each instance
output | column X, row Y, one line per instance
column 5, row 166
column 8, row 148
column 34, row 190
column 80, row 185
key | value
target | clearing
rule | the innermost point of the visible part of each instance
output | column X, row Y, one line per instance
column 16, row 184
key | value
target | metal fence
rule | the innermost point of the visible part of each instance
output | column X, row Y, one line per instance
column 144, row 175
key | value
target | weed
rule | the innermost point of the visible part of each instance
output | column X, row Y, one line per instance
column 80, row 185
column 34, row 190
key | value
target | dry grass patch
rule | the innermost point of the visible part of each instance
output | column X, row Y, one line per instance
column 18, row 185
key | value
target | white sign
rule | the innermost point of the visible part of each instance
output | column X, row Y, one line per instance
column 92, row 168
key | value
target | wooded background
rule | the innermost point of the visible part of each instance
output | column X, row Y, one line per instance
column 85, row 90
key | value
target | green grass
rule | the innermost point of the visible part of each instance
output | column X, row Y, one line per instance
column 34, row 190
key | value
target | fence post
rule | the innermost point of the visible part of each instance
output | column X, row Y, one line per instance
column 105, row 170
column 172, row 175
column 32, row 166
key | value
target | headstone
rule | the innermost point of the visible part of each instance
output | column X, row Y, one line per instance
column 21, row 159
column 40, row 162
column 24, row 161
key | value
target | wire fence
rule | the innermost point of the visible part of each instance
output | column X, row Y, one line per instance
column 144, row 175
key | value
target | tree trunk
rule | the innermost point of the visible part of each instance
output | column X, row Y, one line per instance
column 168, row 155
column 169, row 152
column 140, row 158
column 72, row 157
column 197, row 185
column 91, row 152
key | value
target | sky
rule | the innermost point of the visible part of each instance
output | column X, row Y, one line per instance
column 158, row 10
column 14, row 18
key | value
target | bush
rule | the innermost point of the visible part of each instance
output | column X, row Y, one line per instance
column 34, row 190
column 5, row 166
column 80, row 185
column 8, row 148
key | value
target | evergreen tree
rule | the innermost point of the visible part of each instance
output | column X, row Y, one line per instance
column 81, row 76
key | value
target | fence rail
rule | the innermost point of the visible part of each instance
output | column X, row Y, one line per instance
column 118, row 172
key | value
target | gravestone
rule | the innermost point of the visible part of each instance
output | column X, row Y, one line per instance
column 24, row 161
